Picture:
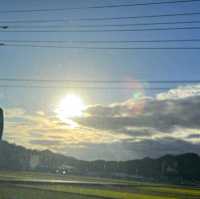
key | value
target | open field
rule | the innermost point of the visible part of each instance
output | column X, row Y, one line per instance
column 23, row 193
column 121, row 190
column 50, row 176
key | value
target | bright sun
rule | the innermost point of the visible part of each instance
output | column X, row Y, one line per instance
column 70, row 106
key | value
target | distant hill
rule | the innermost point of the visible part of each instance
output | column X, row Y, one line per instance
column 168, row 167
column 19, row 158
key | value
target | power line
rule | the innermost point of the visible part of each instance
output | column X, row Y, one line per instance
column 103, row 30
column 138, row 17
column 101, row 18
column 97, row 81
column 68, row 81
column 84, row 87
column 100, row 6
column 102, row 25
column 101, row 41
column 100, row 48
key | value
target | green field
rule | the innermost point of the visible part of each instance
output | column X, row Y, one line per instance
column 133, row 190
column 22, row 193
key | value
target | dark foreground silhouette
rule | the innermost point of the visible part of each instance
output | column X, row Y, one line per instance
column 174, row 168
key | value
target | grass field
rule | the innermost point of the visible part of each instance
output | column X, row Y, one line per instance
column 50, row 176
column 134, row 190
column 23, row 193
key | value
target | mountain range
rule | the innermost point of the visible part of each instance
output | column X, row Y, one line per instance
column 168, row 167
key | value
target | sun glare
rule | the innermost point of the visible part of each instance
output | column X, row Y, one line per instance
column 70, row 106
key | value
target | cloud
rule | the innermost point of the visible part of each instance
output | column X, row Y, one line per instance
column 14, row 112
column 194, row 136
column 159, row 147
column 158, row 114
column 138, row 127
column 180, row 92
column 124, row 109
column 38, row 130
column 131, row 149
column 45, row 142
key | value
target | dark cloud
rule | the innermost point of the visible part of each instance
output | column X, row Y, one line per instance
column 129, row 149
column 159, row 147
column 45, row 142
column 126, row 108
column 138, row 132
column 161, row 115
column 192, row 136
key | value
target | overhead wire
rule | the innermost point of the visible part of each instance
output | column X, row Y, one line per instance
column 100, row 41
column 103, row 30
column 100, row 25
column 100, row 48
column 100, row 18
column 68, row 84
column 6, row 43
column 104, row 81
column 84, row 87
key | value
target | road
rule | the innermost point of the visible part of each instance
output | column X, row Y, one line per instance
column 63, row 182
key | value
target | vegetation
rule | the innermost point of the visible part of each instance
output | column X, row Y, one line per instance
column 105, row 193
column 70, row 192
column 176, row 191
column 133, row 190
column 26, row 165
column 24, row 193
column 177, row 169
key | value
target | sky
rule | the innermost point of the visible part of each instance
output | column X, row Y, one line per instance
column 116, row 124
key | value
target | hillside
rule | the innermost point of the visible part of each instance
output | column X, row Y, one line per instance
column 184, row 166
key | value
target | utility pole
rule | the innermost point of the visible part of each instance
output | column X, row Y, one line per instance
column 1, row 123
